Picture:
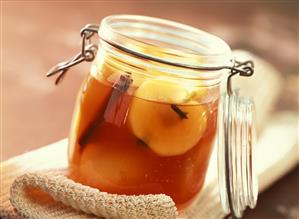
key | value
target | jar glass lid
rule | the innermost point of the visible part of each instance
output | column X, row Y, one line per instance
column 236, row 140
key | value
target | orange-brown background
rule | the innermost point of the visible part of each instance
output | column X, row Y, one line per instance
column 37, row 34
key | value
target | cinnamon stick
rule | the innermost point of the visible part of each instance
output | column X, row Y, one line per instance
column 111, row 112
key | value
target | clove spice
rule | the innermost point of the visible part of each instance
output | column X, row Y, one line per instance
column 141, row 142
column 182, row 114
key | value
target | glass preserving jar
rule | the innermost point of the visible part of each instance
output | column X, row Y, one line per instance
column 145, row 119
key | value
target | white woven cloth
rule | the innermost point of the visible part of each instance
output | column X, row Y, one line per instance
column 86, row 199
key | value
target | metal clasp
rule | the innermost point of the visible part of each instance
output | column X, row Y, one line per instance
column 88, row 53
column 243, row 69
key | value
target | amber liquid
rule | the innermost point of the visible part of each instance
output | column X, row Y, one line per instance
column 106, row 153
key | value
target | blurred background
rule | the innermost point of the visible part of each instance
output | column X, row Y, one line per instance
column 35, row 35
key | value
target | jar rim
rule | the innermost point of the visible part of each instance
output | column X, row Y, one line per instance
column 166, row 41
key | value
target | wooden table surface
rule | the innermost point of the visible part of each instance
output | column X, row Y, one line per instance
column 36, row 35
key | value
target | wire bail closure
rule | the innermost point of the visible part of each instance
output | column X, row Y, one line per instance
column 88, row 53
